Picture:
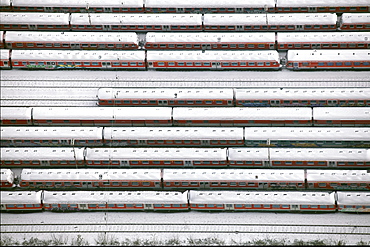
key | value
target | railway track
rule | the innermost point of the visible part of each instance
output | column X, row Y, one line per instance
column 186, row 228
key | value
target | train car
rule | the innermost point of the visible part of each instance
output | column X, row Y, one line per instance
column 323, row 40
column 15, row 115
column 302, row 97
column 156, row 157
column 21, row 201
column 165, row 97
column 248, row 116
column 71, row 40
column 318, row 6
column 344, row 137
column 73, row 6
column 209, row 6
column 73, row 59
column 270, row 22
column 338, row 179
column 354, row 22
column 42, row 157
column 173, row 136
column 90, row 179
column 115, row 201
column 211, row 179
column 212, row 59
column 341, row 116
column 50, row 136
column 328, row 59
column 107, row 116
column 264, row 201
column 5, row 59
column 7, row 179
column 136, row 22
column 210, row 41
column 5, row 5
column 353, row 202
column 34, row 21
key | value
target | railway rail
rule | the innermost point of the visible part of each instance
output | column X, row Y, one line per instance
column 186, row 228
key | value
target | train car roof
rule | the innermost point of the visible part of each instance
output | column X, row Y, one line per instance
column 320, row 3
column 172, row 133
column 75, row 55
column 60, row 37
column 90, row 174
column 314, row 175
column 210, row 37
column 5, row 2
column 168, row 197
column 307, row 133
column 165, row 93
column 261, row 154
column 247, row 113
column 341, row 113
column 355, row 18
column 353, row 198
column 6, row 175
column 21, row 197
column 212, row 55
column 256, row 175
column 23, row 18
column 323, row 37
column 19, row 113
column 51, row 133
column 135, row 19
column 302, row 93
column 209, row 4
column 79, row 3
column 327, row 154
column 43, row 153
column 263, row 197
column 156, row 153
column 329, row 55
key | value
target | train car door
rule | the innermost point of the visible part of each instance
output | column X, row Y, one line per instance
column 188, row 163
column 125, row 163
column 180, row 10
column 204, row 185
column 82, row 206
column 299, row 27
column 294, row 207
column 75, row 46
column 205, row 142
column 3, row 207
column 108, row 10
column 312, row 9
column 107, row 65
column 45, row 163
column 229, row 206
column 206, row 46
column 316, row 46
column 148, row 206
column 215, row 65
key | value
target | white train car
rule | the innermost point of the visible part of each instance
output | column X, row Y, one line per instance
column 5, row 59
column 72, row 6
column 285, row 179
column 75, row 59
column 248, row 116
column 353, row 202
column 172, row 136
column 136, row 22
column 337, row 6
column 156, row 157
column 107, row 116
column 341, row 116
column 6, row 179
column 15, row 115
column 71, row 40
column 323, row 40
column 354, row 22
column 75, row 179
column 270, row 22
column 213, row 59
column 34, row 21
column 21, row 201
column 51, row 136
column 42, row 157
column 265, row 201
column 338, row 179
column 328, row 59
column 307, row 137
column 165, row 96
column 248, row 157
column 347, row 158
column 115, row 201
column 210, row 41
column 209, row 6
column 302, row 97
